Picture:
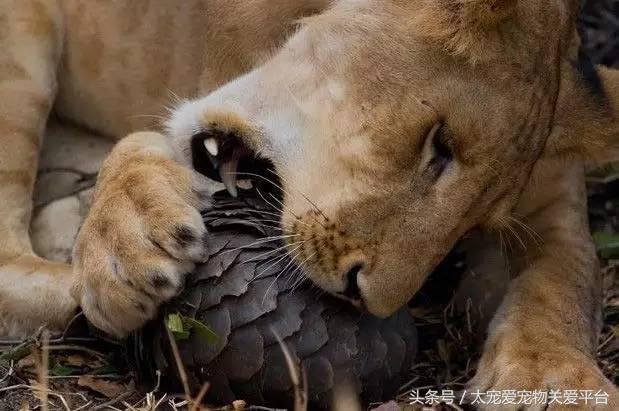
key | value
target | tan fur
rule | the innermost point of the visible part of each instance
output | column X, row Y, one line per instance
column 469, row 29
column 345, row 109
column 142, row 235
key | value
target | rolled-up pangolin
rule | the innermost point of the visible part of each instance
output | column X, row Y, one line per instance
column 249, row 292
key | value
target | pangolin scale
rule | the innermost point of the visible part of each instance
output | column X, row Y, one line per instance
column 248, row 293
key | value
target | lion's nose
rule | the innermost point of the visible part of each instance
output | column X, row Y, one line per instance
column 352, row 287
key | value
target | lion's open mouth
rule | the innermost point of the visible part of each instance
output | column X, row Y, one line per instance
column 225, row 158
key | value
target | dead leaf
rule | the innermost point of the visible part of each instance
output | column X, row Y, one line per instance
column 75, row 360
column 26, row 363
column 239, row 405
column 108, row 388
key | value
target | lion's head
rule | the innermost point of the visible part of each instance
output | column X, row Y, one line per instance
column 396, row 126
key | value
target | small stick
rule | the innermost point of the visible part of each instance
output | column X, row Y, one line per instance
column 179, row 364
column 113, row 401
column 200, row 397
column 300, row 385
column 43, row 366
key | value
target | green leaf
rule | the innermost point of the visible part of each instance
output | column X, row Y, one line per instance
column 607, row 171
column 106, row 369
column 15, row 354
column 174, row 322
column 63, row 371
column 607, row 244
column 181, row 328
column 201, row 329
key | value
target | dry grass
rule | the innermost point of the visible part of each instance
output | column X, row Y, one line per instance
column 26, row 383
column 44, row 372
column 608, row 350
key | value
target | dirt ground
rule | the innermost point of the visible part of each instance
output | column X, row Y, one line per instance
column 86, row 373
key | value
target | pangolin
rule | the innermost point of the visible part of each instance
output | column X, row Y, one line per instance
column 250, row 294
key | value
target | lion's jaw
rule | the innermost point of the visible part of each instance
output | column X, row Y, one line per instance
column 388, row 147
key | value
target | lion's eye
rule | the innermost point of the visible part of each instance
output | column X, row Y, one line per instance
column 441, row 152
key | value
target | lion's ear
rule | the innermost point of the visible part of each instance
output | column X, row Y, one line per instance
column 587, row 118
column 464, row 27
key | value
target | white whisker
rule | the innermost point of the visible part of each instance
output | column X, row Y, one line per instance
column 298, row 269
column 298, row 218
column 273, row 251
column 282, row 209
column 515, row 234
column 284, row 191
column 283, row 256
column 261, row 241
column 304, row 196
column 259, row 224
column 278, row 215
column 528, row 229
column 282, row 271
column 264, row 220
column 302, row 275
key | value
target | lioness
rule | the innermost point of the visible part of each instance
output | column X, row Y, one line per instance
column 395, row 128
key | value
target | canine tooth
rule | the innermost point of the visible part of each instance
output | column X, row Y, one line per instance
column 227, row 172
column 211, row 146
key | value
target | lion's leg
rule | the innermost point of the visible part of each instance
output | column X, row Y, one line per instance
column 143, row 233
column 544, row 335
column 33, row 291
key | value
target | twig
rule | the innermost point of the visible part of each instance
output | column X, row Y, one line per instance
column 23, row 342
column 64, row 402
column 76, row 348
column 66, row 329
column 16, row 387
column 113, row 401
column 70, row 377
column 300, row 385
column 200, row 397
column 43, row 370
column 8, row 373
column 83, row 406
column 179, row 364
column 61, row 339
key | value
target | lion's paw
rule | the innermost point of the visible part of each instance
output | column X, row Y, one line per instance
column 143, row 234
column 541, row 377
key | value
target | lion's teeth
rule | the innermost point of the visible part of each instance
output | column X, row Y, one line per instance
column 211, row 146
column 227, row 172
